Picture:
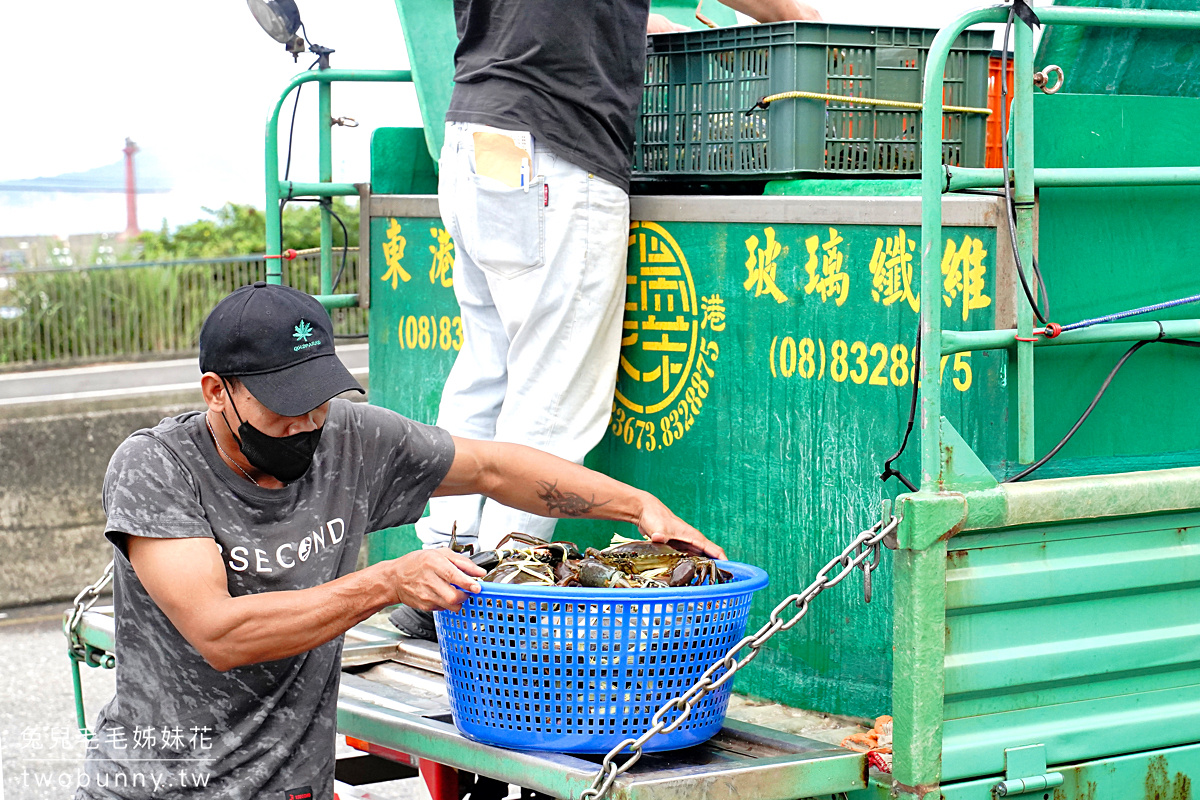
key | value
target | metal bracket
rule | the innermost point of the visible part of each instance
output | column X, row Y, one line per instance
column 1025, row 771
column 889, row 541
column 364, row 244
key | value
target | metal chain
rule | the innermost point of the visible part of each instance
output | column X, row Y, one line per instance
column 862, row 553
column 83, row 601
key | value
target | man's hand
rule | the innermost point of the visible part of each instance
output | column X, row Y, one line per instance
column 657, row 23
column 662, row 526
column 434, row 580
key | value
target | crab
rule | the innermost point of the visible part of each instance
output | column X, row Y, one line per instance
column 531, row 571
column 520, row 558
column 661, row 563
column 528, row 546
column 534, row 560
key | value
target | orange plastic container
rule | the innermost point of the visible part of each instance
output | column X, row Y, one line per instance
column 992, row 155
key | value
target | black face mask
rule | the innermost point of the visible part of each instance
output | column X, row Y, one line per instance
column 285, row 458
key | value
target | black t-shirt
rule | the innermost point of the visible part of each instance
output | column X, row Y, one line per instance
column 569, row 71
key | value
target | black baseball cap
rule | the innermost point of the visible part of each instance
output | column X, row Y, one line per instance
column 278, row 341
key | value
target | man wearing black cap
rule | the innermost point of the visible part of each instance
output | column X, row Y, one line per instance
column 228, row 655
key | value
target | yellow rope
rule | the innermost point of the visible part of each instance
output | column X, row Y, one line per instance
column 871, row 101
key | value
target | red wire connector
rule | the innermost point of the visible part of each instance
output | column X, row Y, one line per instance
column 287, row 255
column 1051, row 330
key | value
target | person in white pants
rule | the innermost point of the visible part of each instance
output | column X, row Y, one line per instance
column 539, row 273
column 539, row 268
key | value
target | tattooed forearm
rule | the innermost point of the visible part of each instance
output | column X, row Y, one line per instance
column 568, row 504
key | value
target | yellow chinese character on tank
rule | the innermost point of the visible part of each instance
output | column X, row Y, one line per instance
column 661, row 294
column 891, row 270
column 714, row 313
column 443, row 258
column 393, row 252
column 761, row 266
column 964, row 271
column 829, row 280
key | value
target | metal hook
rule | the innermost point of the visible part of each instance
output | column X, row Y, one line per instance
column 349, row 122
column 1041, row 79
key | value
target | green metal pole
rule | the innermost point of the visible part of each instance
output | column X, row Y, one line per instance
column 337, row 300
column 919, row 581
column 1023, row 197
column 1118, row 17
column 272, row 210
column 932, row 183
column 298, row 189
column 959, row 178
column 918, row 669
column 271, row 154
column 80, row 714
column 965, row 341
column 325, row 136
column 1117, row 176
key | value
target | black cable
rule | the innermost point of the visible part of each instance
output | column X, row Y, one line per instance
column 1103, row 388
column 1005, row 112
column 888, row 470
column 1041, row 288
column 345, row 246
column 325, row 202
column 287, row 164
column 287, row 168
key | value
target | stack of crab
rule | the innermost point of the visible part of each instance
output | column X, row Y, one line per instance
column 631, row 564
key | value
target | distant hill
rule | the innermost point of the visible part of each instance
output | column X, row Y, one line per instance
column 152, row 178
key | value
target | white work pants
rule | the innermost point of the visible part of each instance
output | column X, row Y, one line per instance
column 540, row 278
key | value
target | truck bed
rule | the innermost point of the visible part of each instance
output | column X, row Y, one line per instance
column 393, row 697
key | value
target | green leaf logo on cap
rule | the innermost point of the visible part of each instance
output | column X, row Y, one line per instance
column 302, row 332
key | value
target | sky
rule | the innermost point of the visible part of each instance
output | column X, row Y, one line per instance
column 193, row 82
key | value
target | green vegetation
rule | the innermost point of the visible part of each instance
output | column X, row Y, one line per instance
column 107, row 313
column 118, row 312
column 238, row 230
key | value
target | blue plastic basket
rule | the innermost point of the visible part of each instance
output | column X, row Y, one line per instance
column 578, row 670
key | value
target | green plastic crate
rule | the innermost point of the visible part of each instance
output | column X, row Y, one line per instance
column 699, row 84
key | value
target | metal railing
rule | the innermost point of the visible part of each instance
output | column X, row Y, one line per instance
column 126, row 312
column 937, row 180
column 281, row 190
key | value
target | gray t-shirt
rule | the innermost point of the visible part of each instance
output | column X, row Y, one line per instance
column 179, row 728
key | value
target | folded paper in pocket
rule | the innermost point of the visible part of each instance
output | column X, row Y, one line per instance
column 500, row 157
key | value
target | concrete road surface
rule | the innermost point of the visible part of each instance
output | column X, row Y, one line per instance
column 119, row 380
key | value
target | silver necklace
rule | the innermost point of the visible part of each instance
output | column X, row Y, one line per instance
column 227, row 456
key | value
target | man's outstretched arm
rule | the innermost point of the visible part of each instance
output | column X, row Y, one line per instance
column 539, row 483
column 186, row 579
